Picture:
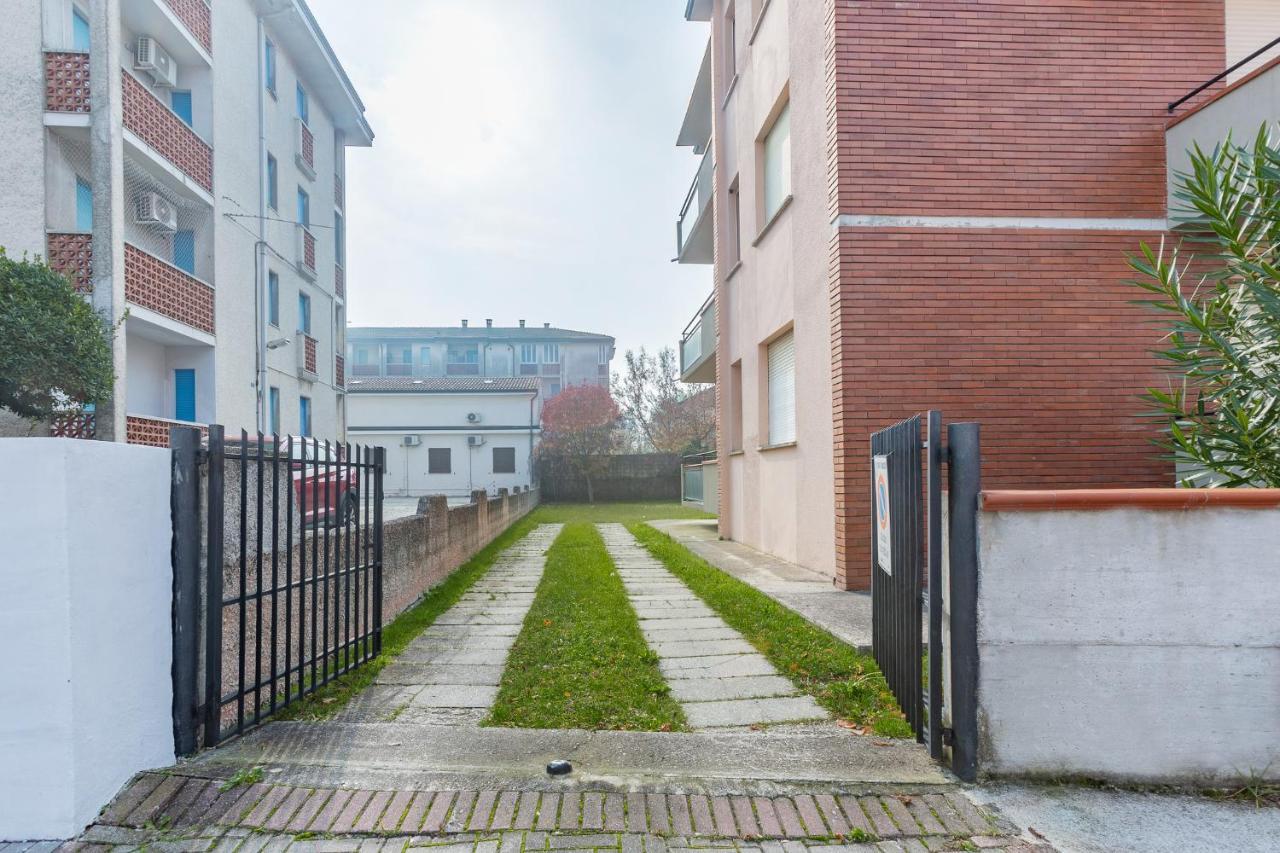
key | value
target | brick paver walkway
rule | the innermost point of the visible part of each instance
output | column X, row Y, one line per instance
column 717, row 676
column 449, row 675
column 175, row 812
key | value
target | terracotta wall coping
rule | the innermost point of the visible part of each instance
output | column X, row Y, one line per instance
column 1094, row 499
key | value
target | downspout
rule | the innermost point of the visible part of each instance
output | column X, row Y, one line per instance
column 260, row 261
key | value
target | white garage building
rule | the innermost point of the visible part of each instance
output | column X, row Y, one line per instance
column 448, row 435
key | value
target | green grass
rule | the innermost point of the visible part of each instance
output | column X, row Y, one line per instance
column 619, row 512
column 580, row 661
column 842, row 680
column 404, row 628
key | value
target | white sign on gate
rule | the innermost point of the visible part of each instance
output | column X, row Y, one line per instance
column 884, row 548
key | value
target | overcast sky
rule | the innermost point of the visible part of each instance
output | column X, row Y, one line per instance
column 524, row 165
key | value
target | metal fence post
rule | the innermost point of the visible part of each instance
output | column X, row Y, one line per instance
column 379, row 466
column 184, row 507
column 213, row 588
column 965, row 480
column 934, row 538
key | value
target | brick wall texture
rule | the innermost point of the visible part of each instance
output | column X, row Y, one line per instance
column 1009, row 108
column 66, row 82
column 159, row 127
column 196, row 15
column 72, row 255
column 165, row 289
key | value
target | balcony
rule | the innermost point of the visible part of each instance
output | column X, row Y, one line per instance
column 339, row 193
column 72, row 255
column 462, row 368
column 196, row 16
column 66, row 82
column 153, row 431
column 693, row 228
column 160, row 129
column 339, row 372
column 159, row 286
column 698, row 346
column 306, row 253
column 339, row 282
column 399, row 368
column 304, row 149
column 365, row 370
column 306, row 348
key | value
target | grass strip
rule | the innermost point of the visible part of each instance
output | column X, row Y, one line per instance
column 622, row 512
column 842, row 680
column 580, row 661
column 398, row 633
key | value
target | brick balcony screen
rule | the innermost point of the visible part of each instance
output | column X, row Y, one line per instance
column 158, row 126
column 308, row 147
column 339, row 282
column 167, row 290
column 66, row 82
column 72, row 255
column 195, row 14
column 338, row 189
column 339, row 371
column 151, row 431
column 73, row 425
column 310, row 362
column 308, row 250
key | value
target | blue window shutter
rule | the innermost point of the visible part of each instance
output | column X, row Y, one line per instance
column 184, row 394
column 184, row 251
column 302, row 105
column 273, row 192
column 304, row 415
column 304, row 207
column 273, row 298
column 271, row 66
column 180, row 100
column 84, row 205
column 274, row 397
column 79, row 31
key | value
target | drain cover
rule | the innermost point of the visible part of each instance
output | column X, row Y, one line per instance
column 559, row 767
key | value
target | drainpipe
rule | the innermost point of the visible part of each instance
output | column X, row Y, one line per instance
column 260, row 248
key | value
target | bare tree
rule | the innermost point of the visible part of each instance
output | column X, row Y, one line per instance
column 660, row 412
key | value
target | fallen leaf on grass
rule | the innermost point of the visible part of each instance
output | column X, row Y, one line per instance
column 329, row 700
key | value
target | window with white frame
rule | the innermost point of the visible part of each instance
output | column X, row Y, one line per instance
column 604, row 354
column 424, row 355
column 776, row 164
column 782, row 389
column 528, row 353
column 550, row 353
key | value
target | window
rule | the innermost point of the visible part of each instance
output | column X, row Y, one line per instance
column 464, row 354
column 782, row 389
column 439, row 460
column 304, row 207
column 362, row 355
column 528, row 353
column 180, row 101
column 777, row 164
column 424, row 355
column 550, row 353
column 735, row 406
column 84, row 205
column 504, row 460
column 273, row 410
column 399, row 355
column 184, row 251
column 269, row 61
column 304, row 112
column 273, row 299
column 735, row 224
column 339, row 241
column 304, row 313
column 273, row 183
column 304, row 416
column 553, row 390
column 730, row 44
column 604, row 354
column 79, row 30
column 184, row 394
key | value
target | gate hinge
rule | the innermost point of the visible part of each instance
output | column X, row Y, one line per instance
column 948, row 736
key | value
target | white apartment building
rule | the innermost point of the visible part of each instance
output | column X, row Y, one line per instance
column 557, row 358
column 449, row 435
column 184, row 166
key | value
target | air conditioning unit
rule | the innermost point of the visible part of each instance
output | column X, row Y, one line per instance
column 475, row 440
column 157, row 211
column 411, row 440
column 473, row 417
column 153, row 59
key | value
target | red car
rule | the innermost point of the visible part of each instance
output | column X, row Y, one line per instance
column 327, row 492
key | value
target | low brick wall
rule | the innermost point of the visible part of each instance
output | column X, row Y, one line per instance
column 629, row 477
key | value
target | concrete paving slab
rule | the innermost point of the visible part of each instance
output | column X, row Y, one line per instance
column 740, row 687
column 655, row 634
column 734, row 712
column 683, row 649
column 455, row 696
column 406, row 672
column 716, row 666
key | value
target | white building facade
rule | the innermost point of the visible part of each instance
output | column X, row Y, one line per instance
column 185, row 167
column 556, row 358
column 449, row 435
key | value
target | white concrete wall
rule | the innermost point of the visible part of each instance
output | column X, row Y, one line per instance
column 1130, row 644
column 22, row 217
column 86, row 695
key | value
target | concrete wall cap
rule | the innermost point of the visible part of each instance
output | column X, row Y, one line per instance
column 1001, row 500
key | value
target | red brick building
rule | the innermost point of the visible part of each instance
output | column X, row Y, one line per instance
column 928, row 204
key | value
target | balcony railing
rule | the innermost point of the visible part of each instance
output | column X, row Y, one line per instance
column 698, row 345
column 696, row 202
column 339, row 371
column 462, row 368
column 72, row 255
column 304, row 148
column 307, row 363
column 339, row 193
column 170, row 137
column 399, row 368
column 153, row 431
column 339, row 282
column 74, row 424
column 161, row 287
column 196, row 16
column 365, row 370
column 306, row 252
column 66, row 81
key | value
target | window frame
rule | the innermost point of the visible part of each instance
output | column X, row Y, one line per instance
column 269, row 65
column 548, row 350
column 273, row 409
column 304, row 313
column 303, row 105
column 504, row 469
column 781, row 116
column 84, row 191
column 273, row 182
column 433, row 455
column 339, row 239
column 304, row 208
column 273, row 298
column 304, row 415
column 528, row 353
column 79, row 16
column 779, row 400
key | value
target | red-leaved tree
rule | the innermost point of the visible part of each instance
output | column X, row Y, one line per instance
column 580, row 427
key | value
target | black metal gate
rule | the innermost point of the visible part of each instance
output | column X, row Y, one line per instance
column 905, row 522
column 907, row 580
column 284, row 578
